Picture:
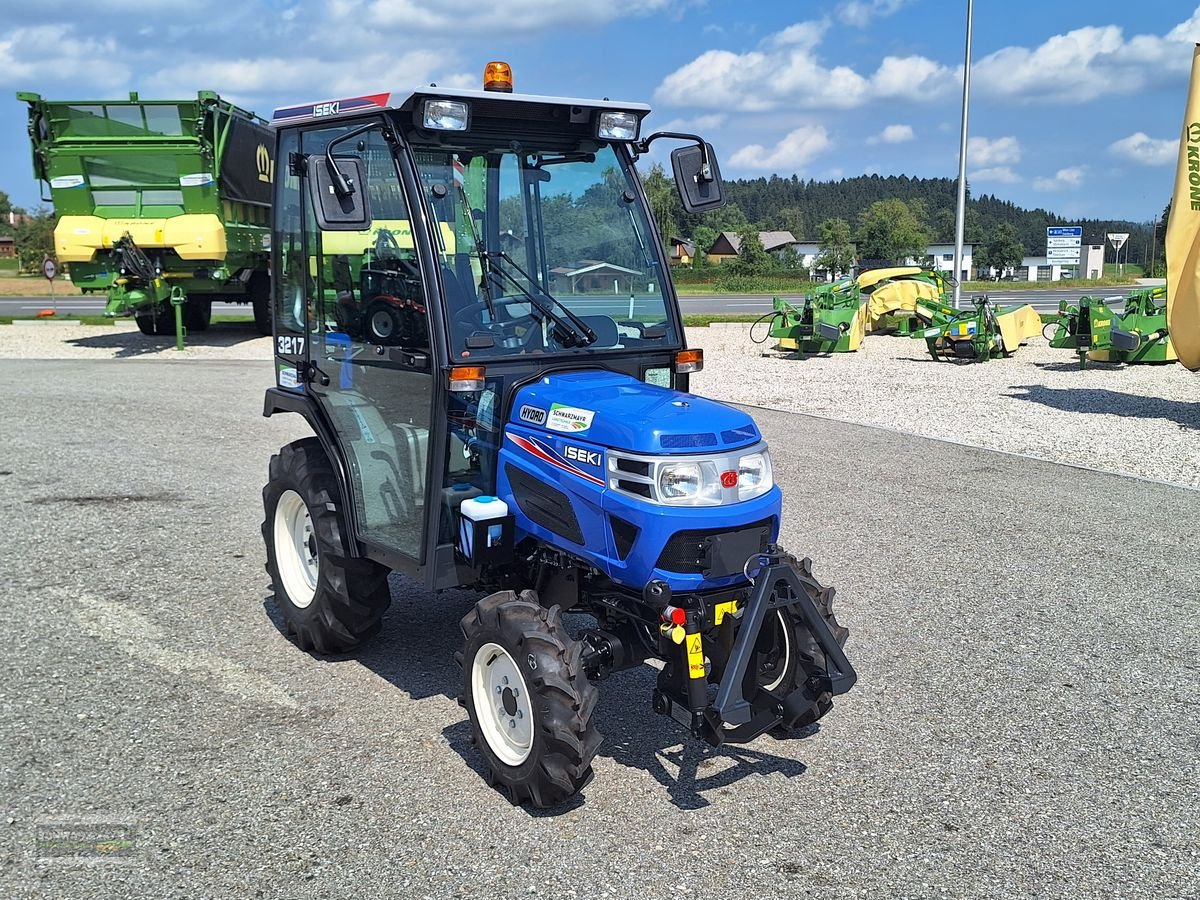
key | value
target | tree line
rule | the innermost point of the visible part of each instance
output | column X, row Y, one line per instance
column 888, row 216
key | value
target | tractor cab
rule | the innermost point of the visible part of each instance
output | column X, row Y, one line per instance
column 473, row 311
column 434, row 252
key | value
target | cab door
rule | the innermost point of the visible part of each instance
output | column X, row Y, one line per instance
column 368, row 341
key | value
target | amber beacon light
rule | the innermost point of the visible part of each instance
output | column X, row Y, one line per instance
column 497, row 76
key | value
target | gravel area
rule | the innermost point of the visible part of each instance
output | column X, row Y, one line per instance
column 1134, row 420
column 1025, row 722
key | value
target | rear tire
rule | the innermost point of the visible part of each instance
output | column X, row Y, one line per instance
column 197, row 315
column 330, row 601
column 259, row 291
column 528, row 699
column 146, row 324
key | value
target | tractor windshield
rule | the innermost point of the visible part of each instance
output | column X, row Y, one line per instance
column 544, row 252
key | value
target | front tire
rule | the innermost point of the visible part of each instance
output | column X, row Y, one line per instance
column 330, row 601
column 528, row 699
column 806, row 706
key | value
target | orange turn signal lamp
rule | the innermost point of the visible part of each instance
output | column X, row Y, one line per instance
column 464, row 379
column 497, row 76
column 688, row 361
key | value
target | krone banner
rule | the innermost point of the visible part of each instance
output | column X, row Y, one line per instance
column 1183, row 234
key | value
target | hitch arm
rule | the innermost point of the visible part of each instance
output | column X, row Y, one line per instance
column 781, row 584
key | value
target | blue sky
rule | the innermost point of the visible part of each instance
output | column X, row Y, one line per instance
column 1076, row 107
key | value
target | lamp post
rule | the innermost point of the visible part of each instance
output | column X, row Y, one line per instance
column 961, row 213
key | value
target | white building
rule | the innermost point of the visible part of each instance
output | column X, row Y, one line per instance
column 1039, row 268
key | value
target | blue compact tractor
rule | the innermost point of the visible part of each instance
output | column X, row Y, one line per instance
column 472, row 310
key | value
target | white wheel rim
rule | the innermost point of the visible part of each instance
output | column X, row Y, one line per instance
column 296, row 555
column 502, row 706
column 786, row 662
column 381, row 324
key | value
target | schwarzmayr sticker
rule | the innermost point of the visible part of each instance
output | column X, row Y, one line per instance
column 570, row 419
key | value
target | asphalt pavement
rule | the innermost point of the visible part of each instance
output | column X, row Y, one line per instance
column 1025, row 722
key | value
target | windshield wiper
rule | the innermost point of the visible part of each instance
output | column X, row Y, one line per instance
column 479, row 251
column 580, row 333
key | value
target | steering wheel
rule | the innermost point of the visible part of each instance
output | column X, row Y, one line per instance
column 466, row 315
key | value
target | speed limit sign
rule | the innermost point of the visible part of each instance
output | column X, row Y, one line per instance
column 49, row 268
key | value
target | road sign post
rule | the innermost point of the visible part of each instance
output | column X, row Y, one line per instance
column 50, row 270
column 1118, row 239
column 1064, row 244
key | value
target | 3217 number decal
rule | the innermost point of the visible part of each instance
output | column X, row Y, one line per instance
column 289, row 345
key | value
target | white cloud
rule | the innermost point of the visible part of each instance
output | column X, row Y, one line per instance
column 785, row 71
column 1141, row 148
column 795, row 151
column 1086, row 63
column 1002, row 151
column 457, row 16
column 1001, row 174
column 1064, row 179
column 860, row 13
column 52, row 54
column 893, row 134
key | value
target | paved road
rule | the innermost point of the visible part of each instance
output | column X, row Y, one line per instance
column 732, row 304
column 1026, row 720
column 89, row 305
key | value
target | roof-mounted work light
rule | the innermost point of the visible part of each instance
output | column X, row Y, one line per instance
column 617, row 126
column 446, row 115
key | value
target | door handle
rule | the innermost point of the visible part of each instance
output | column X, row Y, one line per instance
column 314, row 373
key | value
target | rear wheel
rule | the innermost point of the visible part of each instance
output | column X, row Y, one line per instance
column 146, row 324
column 258, row 289
column 197, row 314
column 330, row 601
column 528, row 699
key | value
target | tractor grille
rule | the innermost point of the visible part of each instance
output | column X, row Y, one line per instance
column 691, row 552
column 624, row 534
column 740, row 435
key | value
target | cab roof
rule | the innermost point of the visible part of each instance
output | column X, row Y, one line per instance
column 404, row 100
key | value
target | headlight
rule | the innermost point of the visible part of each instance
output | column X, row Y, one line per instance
column 709, row 480
column 617, row 126
column 681, row 481
column 445, row 115
column 753, row 470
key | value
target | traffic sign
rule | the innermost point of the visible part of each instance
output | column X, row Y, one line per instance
column 1117, row 238
column 49, row 268
column 1065, row 231
column 1063, row 242
column 1062, row 254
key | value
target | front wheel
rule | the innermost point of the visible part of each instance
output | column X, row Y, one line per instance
column 330, row 601
column 528, row 699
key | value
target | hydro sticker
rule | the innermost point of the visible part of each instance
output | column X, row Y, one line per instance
column 532, row 414
column 570, row 419
column 67, row 181
column 198, row 179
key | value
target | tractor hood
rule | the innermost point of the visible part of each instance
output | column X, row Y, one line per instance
column 620, row 412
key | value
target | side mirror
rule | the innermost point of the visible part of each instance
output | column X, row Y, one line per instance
column 698, row 178
column 337, row 208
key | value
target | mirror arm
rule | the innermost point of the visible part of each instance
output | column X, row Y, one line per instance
column 343, row 187
column 643, row 146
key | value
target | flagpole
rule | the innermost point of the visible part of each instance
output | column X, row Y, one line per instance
column 960, row 216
